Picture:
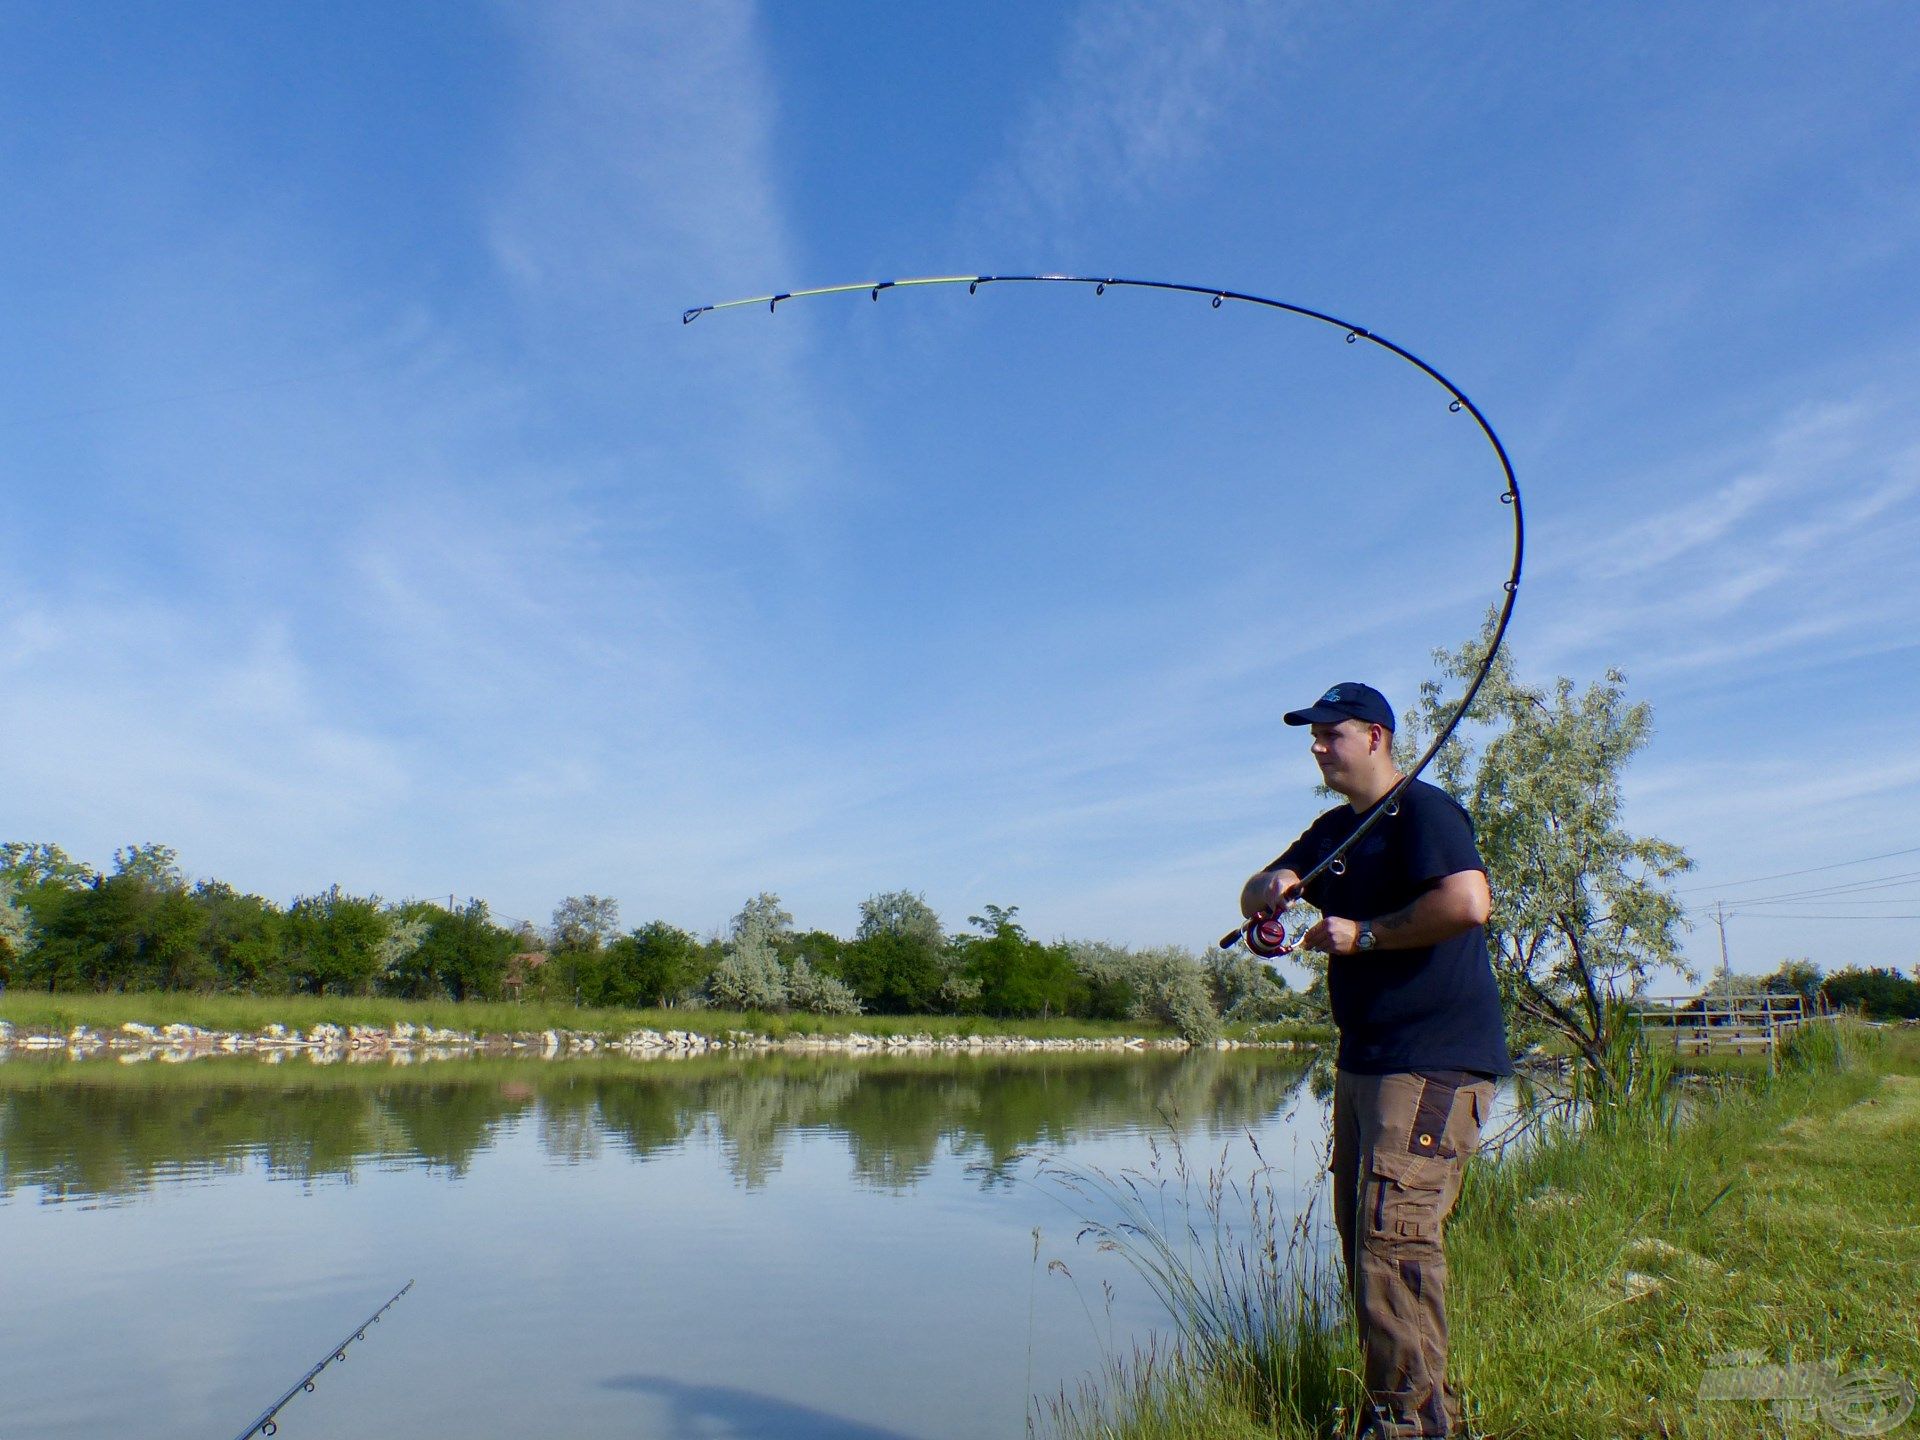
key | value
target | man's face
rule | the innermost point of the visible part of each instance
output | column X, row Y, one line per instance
column 1343, row 752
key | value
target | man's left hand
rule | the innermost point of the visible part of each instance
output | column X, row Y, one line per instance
column 1333, row 936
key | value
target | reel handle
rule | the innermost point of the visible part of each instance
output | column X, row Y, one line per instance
column 1265, row 935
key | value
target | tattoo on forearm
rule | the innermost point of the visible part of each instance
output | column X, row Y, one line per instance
column 1393, row 920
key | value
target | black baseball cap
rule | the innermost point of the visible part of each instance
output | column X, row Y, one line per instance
column 1349, row 700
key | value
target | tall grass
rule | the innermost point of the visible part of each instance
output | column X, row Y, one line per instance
column 1594, row 1270
column 1262, row 1341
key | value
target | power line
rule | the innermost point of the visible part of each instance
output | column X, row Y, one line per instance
column 1789, row 874
column 1835, row 892
column 1799, row 915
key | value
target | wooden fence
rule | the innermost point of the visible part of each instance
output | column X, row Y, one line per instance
column 1727, row 1024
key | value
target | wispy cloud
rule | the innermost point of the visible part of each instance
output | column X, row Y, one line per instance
column 1775, row 548
column 1140, row 93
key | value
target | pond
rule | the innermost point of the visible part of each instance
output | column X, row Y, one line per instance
column 725, row 1247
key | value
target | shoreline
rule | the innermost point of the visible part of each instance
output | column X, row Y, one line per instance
column 404, row 1043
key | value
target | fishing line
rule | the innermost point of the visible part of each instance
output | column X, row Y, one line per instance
column 1334, row 861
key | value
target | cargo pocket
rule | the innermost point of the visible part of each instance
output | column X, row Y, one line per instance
column 1407, row 1196
column 1427, row 1137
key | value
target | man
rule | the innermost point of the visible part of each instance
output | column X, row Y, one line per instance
column 1421, row 1040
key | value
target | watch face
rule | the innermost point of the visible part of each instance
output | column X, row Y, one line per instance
column 1366, row 937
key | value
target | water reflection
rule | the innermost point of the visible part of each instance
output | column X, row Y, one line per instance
column 94, row 1130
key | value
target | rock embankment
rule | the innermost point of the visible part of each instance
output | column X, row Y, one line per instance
column 403, row 1043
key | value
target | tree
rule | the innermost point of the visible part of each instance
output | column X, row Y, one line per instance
column 157, row 866
column 34, row 876
column 15, row 927
column 900, row 912
column 897, row 961
column 31, row 863
column 657, row 964
column 1582, row 911
column 750, row 977
column 336, row 942
column 243, row 939
column 1242, row 988
column 133, row 930
column 585, row 922
column 1108, row 972
column 822, row 994
column 432, row 951
column 1017, row 974
column 1796, row 977
column 1877, row 993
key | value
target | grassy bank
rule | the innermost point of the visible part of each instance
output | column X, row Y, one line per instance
column 1595, row 1278
column 35, row 1010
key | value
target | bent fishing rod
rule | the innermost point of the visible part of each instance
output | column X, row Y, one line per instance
column 1263, row 932
column 268, row 1422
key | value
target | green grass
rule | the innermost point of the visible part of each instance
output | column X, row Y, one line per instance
column 251, row 1013
column 1594, row 1276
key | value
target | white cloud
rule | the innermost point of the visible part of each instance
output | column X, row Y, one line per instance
column 1141, row 90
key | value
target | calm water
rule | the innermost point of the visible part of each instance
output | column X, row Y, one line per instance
column 715, row 1248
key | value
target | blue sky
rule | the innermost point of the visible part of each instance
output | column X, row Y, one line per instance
column 371, row 518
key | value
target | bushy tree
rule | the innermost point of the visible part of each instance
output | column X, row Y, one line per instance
column 1018, row 976
column 1108, row 972
column 751, row 977
column 822, row 994
column 1732, row 985
column 34, row 878
column 1796, row 977
column 243, row 938
column 657, row 964
column 897, row 962
column 1582, row 909
column 336, row 943
column 1877, row 993
column 460, row 953
column 1244, row 989
column 15, row 927
column 135, row 929
column 585, row 922
column 31, row 863
column 1174, row 991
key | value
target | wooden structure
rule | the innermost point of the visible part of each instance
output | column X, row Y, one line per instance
column 1725, row 1024
column 520, row 969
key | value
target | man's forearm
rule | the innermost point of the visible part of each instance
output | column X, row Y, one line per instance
column 1452, row 907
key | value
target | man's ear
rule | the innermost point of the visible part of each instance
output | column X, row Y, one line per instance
column 1375, row 735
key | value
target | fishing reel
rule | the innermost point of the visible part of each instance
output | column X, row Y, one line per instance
column 1264, row 934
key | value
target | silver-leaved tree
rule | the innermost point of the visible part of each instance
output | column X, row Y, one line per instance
column 1582, row 909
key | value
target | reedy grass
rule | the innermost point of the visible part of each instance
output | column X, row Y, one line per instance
column 1260, row 1342
column 1595, row 1272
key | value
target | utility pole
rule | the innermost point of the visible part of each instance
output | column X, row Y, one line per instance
column 1720, row 919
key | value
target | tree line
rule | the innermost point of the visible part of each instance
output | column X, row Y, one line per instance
column 142, row 925
column 1584, row 915
column 1875, row 992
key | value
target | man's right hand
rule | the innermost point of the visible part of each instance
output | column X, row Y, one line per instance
column 1269, row 893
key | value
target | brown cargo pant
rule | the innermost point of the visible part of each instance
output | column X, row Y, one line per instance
column 1400, row 1143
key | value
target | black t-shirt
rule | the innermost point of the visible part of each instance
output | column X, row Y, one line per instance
column 1434, row 1008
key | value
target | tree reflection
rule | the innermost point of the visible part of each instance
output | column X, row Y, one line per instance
column 91, row 1130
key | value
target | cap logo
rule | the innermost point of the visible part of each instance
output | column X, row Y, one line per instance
column 1332, row 696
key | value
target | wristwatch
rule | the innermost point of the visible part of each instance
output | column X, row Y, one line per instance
column 1367, row 939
